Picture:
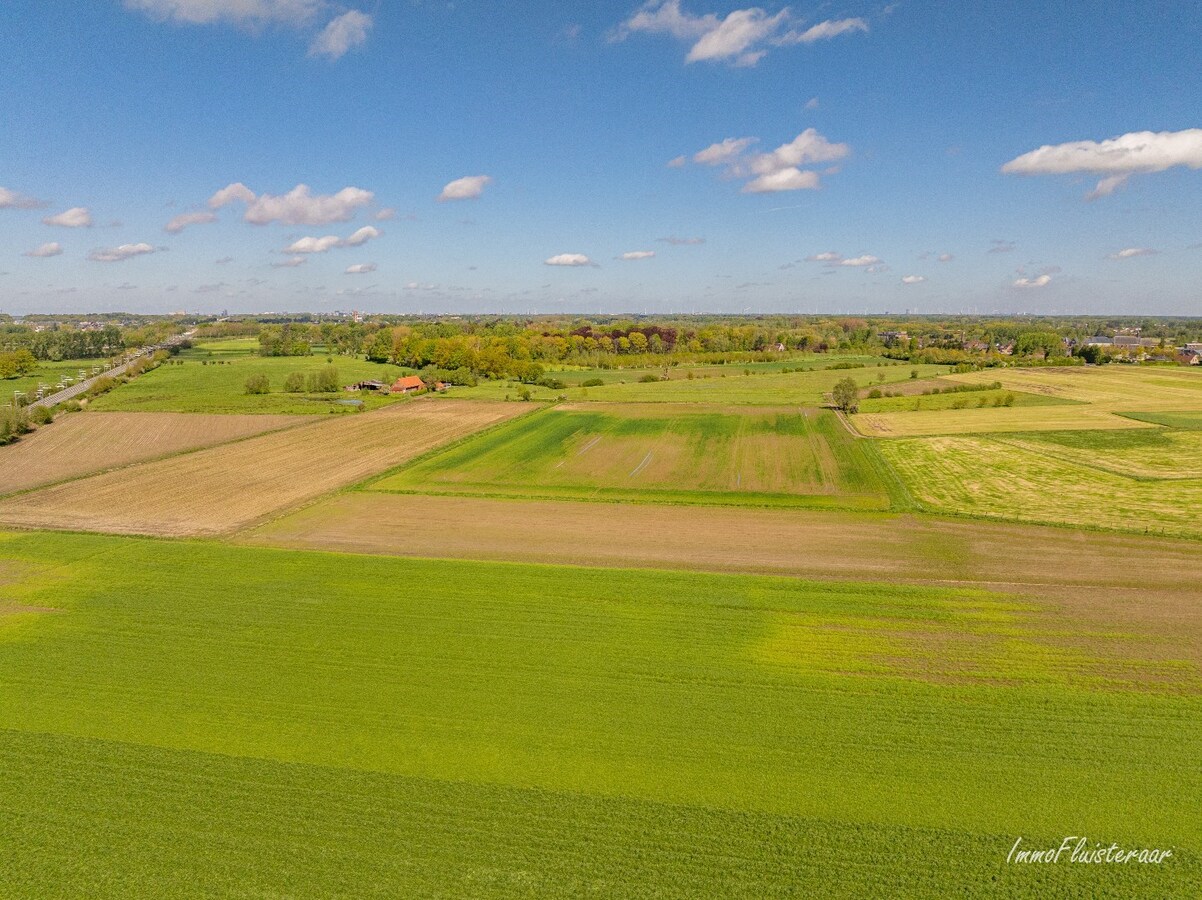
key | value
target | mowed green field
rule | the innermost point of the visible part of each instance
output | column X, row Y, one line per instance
column 313, row 724
column 664, row 453
column 213, row 377
column 1146, row 480
column 763, row 384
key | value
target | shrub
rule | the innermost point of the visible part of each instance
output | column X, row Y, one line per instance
column 40, row 415
column 648, row 378
column 14, row 422
column 258, row 384
column 597, row 382
column 323, row 382
column 295, row 383
column 874, row 394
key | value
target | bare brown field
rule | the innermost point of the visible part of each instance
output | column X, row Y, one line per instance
column 812, row 543
column 225, row 488
column 1103, row 591
column 83, row 444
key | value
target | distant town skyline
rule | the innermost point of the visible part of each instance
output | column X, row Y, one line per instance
column 674, row 156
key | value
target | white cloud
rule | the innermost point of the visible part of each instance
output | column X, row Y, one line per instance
column 807, row 147
column 290, row 263
column 790, row 179
column 330, row 241
column 681, row 241
column 117, row 254
column 13, row 200
column 830, row 256
column 741, row 38
column 180, row 222
column 1116, row 158
column 467, row 188
column 385, row 214
column 239, row 12
column 778, row 170
column 75, row 217
column 314, row 244
column 342, row 34
column 54, row 248
column 362, row 236
column 736, row 35
column 860, row 261
column 1132, row 252
column 638, row 254
column 1037, row 282
column 946, row 257
column 360, row 269
column 812, row 103
column 677, row 162
column 722, row 152
column 298, row 207
column 913, row 279
column 568, row 259
column 824, row 31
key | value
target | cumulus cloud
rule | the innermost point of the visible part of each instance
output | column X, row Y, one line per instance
column 75, row 217
column 1116, row 159
column 118, row 254
column 1132, row 252
column 467, row 188
column 180, row 222
column 682, row 241
column 741, row 38
column 637, row 254
column 723, row 152
column 342, row 34
column 330, row 241
column 831, row 258
column 290, row 263
column 13, row 200
column 788, row 179
column 360, row 269
column 54, row 248
column 778, row 170
column 297, row 207
column 857, row 262
column 1036, row 282
column 568, row 259
column 913, row 279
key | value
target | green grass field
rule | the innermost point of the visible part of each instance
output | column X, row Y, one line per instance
column 663, row 453
column 48, row 373
column 213, row 377
column 314, row 724
column 1147, row 481
column 766, row 385
column 964, row 400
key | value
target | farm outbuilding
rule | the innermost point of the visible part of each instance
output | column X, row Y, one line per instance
column 408, row 384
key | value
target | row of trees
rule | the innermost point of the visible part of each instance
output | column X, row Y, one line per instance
column 63, row 343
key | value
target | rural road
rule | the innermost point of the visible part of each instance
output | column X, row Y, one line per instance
column 82, row 386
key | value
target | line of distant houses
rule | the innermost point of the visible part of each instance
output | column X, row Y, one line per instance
column 1190, row 354
column 406, row 384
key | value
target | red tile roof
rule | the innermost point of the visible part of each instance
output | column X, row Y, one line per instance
column 408, row 383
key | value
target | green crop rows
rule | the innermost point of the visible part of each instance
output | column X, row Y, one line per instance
column 192, row 717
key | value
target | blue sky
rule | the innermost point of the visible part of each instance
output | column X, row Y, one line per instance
column 862, row 169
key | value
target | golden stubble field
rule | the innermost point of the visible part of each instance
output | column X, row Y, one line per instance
column 225, row 488
column 86, row 443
